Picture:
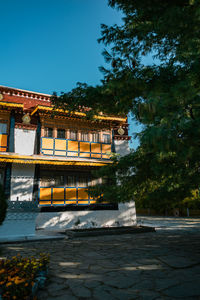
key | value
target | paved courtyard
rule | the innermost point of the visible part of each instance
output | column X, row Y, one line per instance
column 160, row 265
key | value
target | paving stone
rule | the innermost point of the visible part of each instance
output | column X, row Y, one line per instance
column 121, row 282
column 144, row 284
column 100, row 293
column 80, row 291
column 63, row 297
column 42, row 295
column 149, row 295
column 92, row 283
column 54, row 287
column 178, row 262
column 183, row 290
column 121, row 294
column 164, row 283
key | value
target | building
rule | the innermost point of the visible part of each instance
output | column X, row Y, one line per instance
column 46, row 159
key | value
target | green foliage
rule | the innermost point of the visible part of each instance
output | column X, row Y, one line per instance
column 164, row 97
column 3, row 205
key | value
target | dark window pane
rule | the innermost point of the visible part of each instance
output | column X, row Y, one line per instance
column 48, row 132
column 61, row 133
column 73, row 135
column 106, row 138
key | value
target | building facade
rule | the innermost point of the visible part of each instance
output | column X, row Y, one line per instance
column 47, row 157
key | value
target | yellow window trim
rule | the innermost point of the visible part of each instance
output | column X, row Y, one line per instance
column 23, row 159
column 10, row 104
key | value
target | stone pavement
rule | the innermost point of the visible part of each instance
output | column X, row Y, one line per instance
column 160, row 265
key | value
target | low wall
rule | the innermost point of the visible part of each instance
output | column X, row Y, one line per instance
column 18, row 224
column 125, row 216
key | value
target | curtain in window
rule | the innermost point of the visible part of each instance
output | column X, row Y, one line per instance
column 73, row 135
column 84, row 136
column 95, row 137
column 106, row 138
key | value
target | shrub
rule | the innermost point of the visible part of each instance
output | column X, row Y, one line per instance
column 3, row 204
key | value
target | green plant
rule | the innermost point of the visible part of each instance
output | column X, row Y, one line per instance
column 3, row 204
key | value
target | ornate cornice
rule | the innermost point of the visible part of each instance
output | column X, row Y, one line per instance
column 24, row 93
column 26, row 126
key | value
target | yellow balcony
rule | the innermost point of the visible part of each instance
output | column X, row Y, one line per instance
column 68, row 148
column 50, row 196
column 3, row 142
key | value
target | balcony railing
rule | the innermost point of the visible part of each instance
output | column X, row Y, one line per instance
column 69, row 148
column 3, row 142
column 59, row 196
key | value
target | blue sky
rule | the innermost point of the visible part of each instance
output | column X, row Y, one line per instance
column 50, row 45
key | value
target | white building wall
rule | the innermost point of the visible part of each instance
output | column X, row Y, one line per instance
column 125, row 216
column 24, row 141
column 22, row 175
column 22, row 180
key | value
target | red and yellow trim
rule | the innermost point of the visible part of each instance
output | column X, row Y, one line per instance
column 26, row 159
column 80, row 114
column 11, row 104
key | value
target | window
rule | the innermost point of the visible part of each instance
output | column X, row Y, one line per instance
column 46, row 181
column 106, row 138
column 73, row 135
column 61, row 133
column 84, row 136
column 71, row 180
column 52, row 180
column 3, row 128
column 83, row 181
column 59, row 180
column 48, row 132
column 95, row 137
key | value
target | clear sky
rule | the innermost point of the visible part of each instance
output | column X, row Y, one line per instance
column 49, row 45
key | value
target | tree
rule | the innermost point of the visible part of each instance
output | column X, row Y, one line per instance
column 164, row 97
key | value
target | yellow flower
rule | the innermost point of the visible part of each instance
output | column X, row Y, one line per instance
column 8, row 284
column 2, row 271
column 18, row 281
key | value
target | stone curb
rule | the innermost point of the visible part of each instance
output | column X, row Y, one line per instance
column 73, row 233
column 29, row 239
